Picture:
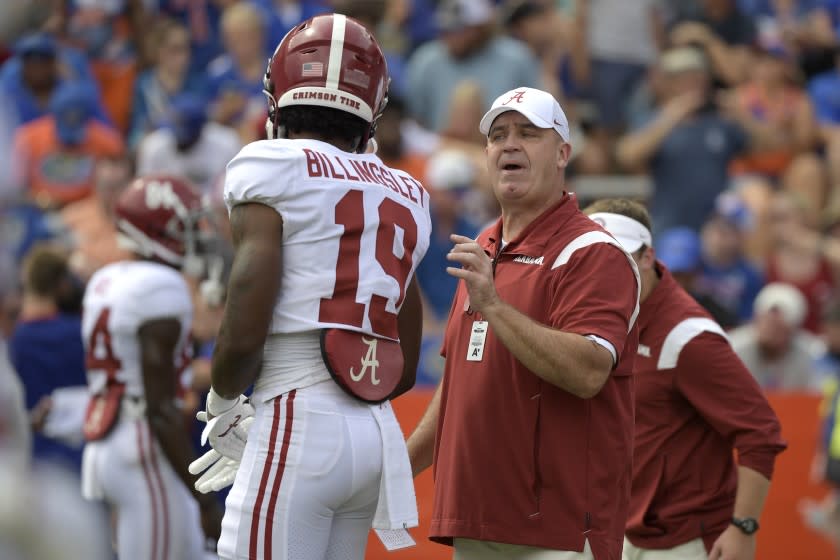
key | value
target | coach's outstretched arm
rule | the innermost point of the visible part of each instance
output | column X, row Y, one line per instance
column 254, row 283
column 421, row 443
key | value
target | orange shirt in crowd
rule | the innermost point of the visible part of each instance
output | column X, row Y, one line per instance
column 781, row 110
column 54, row 174
column 413, row 164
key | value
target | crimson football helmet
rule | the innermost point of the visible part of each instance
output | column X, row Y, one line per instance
column 329, row 60
column 158, row 216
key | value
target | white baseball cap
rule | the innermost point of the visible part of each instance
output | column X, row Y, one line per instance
column 787, row 299
column 536, row 105
column 449, row 169
column 631, row 234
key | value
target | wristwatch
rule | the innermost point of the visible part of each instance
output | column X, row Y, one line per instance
column 747, row 525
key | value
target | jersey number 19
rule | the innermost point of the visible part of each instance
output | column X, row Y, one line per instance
column 342, row 307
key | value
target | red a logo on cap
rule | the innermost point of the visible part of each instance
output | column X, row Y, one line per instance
column 519, row 96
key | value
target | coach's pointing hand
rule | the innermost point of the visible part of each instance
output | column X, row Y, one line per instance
column 476, row 271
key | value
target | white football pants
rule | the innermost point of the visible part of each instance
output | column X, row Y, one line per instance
column 157, row 516
column 308, row 485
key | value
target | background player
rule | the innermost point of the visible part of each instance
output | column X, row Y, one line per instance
column 136, row 324
column 327, row 240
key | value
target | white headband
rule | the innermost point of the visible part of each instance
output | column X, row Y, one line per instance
column 631, row 234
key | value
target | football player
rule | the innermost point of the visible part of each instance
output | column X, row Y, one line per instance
column 136, row 324
column 322, row 316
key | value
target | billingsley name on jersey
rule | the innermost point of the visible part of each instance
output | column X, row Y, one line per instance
column 319, row 164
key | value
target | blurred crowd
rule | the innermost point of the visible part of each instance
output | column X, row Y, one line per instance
column 728, row 111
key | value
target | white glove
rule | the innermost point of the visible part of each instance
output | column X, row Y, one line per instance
column 220, row 471
column 227, row 426
column 227, row 431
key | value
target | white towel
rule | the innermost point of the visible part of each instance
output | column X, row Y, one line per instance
column 397, row 507
column 67, row 414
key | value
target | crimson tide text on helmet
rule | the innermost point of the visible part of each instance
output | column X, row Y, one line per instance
column 158, row 217
column 330, row 61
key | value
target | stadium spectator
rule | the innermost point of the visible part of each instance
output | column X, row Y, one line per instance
column 561, row 359
column 375, row 15
column 464, row 112
column 450, row 179
column 537, row 24
column 775, row 348
column 90, row 221
column 808, row 29
column 235, row 79
column 823, row 90
column 110, row 33
column 391, row 141
column 693, row 397
column 40, row 65
column 202, row 21
column 169, row 76
column 188, row 145
column 727, row 276
column 46, row 346
column 621, row 41
column 55, row 155
column 772, row 99
column 688, row 144
column 282, row 15
column 797, row 259
column 679, row 249
column 723, row 32
column 23, row 225
column 469, row 49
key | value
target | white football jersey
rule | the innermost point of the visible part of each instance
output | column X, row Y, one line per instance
column 121, row 297
column 354, row 232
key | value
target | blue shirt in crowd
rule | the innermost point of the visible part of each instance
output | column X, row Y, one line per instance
column 824, row 91
column 47, row 354
column 25, row 105
column 151, row 104
column 690, row 169
column 734, row 287
column 437, row 285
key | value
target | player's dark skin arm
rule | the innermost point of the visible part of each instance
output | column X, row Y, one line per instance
column 252, row 291
column 158, row 342
column 410, row 327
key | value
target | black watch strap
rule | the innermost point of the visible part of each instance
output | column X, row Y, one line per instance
column 747, row 525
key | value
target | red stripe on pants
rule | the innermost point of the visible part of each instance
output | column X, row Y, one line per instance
column 255, row 515
column 156, row 473
column 148, row 478
column 275, row 489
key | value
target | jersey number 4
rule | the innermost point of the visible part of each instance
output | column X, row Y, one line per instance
column 342, row 307
column 100, row 354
